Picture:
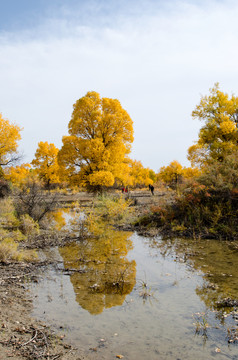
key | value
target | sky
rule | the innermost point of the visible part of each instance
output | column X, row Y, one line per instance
column 157, row 57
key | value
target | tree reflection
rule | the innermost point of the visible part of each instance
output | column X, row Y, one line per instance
column 216, row 259
column 102, row 276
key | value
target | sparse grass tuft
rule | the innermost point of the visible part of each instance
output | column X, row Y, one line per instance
column 9, row 251
column 201, row 324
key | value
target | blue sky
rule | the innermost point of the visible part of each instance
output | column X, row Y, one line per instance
column 24, row 14
column 156, row 57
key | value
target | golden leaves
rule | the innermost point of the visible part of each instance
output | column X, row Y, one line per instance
column 218, row 137
column 101, row 132
column 18, row 174
column 138, row 175
column 46, row 163
column 101, row 178
column 9, row 136
column 174, row 172
column 228, row 127
column 171, row 173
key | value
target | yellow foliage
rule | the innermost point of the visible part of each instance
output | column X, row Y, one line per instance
column 171, row 173
column 46, row 163
column 228, row 127
column 100, row 137
column 174, row 173
column 101, row 178
column 18, row 175
column 138, row 175
column 9, row 136
column 191, row 172
column 219, row 136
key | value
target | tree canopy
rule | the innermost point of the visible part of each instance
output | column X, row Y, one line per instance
column 46, row 163
column 139, row 175
column 219, row 135
column 9, row 137
column 172, row 173
column 19, row 174
column 175, row 173
column 99, row 140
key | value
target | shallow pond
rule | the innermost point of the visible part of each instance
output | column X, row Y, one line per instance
column 142, row 298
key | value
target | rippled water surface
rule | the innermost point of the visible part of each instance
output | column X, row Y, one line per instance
column 142, row 298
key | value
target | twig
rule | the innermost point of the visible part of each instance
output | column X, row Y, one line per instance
column 17, row 276
column 30, row 339
column 46, row 342
column 57, row 356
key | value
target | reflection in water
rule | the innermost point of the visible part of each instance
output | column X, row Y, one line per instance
column 101, row 274
column 184, row 275
column 216, row 259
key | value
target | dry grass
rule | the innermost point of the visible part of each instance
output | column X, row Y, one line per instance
column 9, row 251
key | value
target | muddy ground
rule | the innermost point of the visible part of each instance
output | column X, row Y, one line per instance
column 21, row 336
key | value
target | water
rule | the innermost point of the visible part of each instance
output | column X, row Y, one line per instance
column 142, row 298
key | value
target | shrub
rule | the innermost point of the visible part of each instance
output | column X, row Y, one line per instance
column 28, row 226
column 35, row 202
column 200, row 210
column 9, row 251
column 106, row 212
column 4, row 188
column 8, row 217
column 115, row 210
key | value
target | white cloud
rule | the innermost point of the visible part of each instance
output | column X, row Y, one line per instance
column 156, row 65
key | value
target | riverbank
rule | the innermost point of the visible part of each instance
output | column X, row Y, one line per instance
column 21, row 336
